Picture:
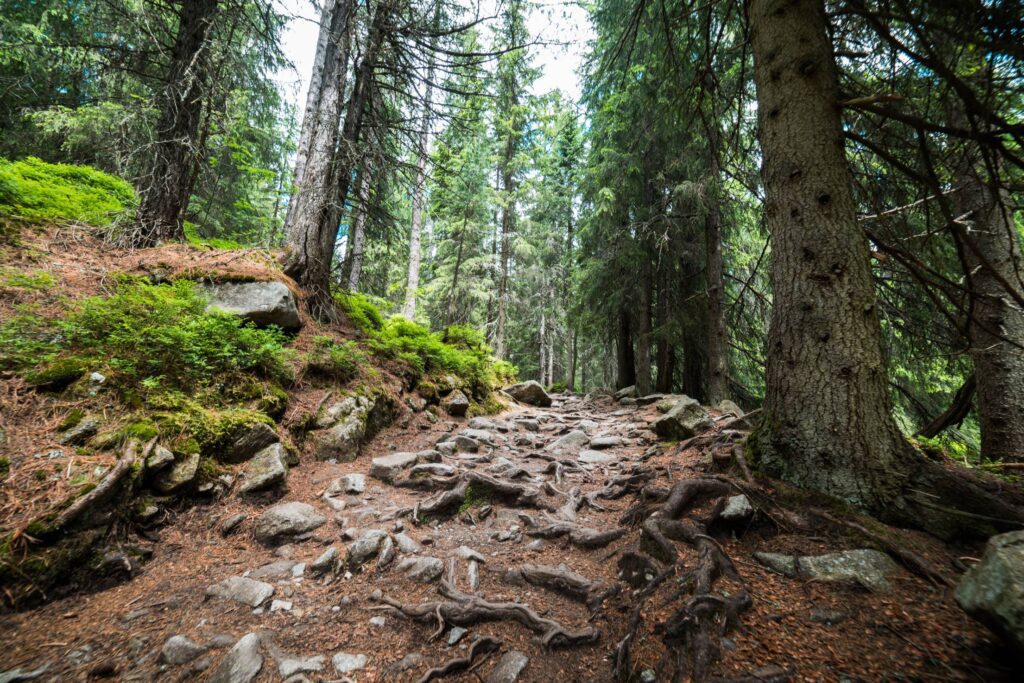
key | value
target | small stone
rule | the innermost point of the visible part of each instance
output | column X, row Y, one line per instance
column 326, row 563
column 180, row 650
column 178, row 475
column 241, row 589
column 537, row 544
column 81, row 432
column 595, row 457
column 509, row 668
column 298, row 665
column 364, row 548
column 347, row 663
column 456, row 404
column 456, row 634
column 407, row 544
column 159, row 459
column 573, row 440
column 349, row 483
column 266, row 470
column 737, row 509
column 378, row 622
column 273, row 570
column 599, row 442
column 280, row 605
column 286, row 520
column 242, row 663
column 467, row 553
column 386, row 553
column 423, row 569
column 829, row 617
column 648, row 676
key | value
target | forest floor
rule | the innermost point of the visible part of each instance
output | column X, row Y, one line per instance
column 821, row 631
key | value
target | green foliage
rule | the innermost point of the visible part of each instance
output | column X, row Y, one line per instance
column 5, row 467
column 362, row 311
column 50, row 192
column 340, row 360
column 33, row 281
column 149, row 337
column 192, row 234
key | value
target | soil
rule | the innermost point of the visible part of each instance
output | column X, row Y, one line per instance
column 915, row 632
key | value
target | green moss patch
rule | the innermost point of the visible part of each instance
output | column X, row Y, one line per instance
column 34, row 189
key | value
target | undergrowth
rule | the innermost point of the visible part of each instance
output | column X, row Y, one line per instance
column 40, row 191
column 458, row 350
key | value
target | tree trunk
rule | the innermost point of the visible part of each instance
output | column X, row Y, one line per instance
column 543, row 360
column 644, row 383
column 359, row 231
column 694, row 324
column 991, row 251
column 626, row 370
column 507, row 226
column 717, row 337
column 570, row 375
column 308, row 261
column 827, row 415
column 412, row 282
column 167, row 185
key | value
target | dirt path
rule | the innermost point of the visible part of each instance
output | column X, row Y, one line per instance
column 826, row 632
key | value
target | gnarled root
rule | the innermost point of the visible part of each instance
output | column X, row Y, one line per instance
column 479, row 650
column 584, row 537
column 559, row 579
column 464, row 609
column 516, row 495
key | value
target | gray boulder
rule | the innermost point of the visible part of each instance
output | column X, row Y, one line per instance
column 349, row 483
column 626, row 392
column 158, row 459
column 572, row 440
column 241, row 589
column 180, row 650
column 685, row 419
column 870, row 568
column 390, row 467
column 177, row 476
column 530, row 392
column 249, row 441
column 242, row 663
column 727, row 407
column 737, row 509
column 285, row 520
column 992, row 591
column 81, row 432
column 347, row 422
column 456, row 403
column 291, row 666
column 266, row 470
column 365, row 548
column 510, row 667
column 261, row 303
column 345, row 663
column 483, row 423
column 596, row 457
column 599, row 442
column 422, row 569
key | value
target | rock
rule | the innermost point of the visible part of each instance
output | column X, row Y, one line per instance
column 992, row 591
column 349, row 483
column 386, row 553
column 480, row 436
column 509, row 667
column 350, row 423
column 242, row 663
column 158, row 459
column 423, row 569
column 727, row 407
column 285, row 520
column 530, row 392
column 649, row 399
column 299, row 665
column 177, row 476
column 378, row 622
column 483, row 423
column 180, row 650
column 669, row 400
column 685, row 419
column 528, row 425
column 274, row 570
column 261, row 303
column 15, row 675
column 870, row 568
column 389, row 467
column 626, row 392
column 574, row 439
column 280, row 605
column 407, row 544
column 467, row 553
column 241, row 589
column 737, row 509
column 456, row 403
column 81, row 432
column 434, row 469
column 410, row 661
column 326, row 563
column 365, row 548
column 599, row 442
column 345, row 663
column 266, row 470
column 248, row 441
column 456, row 634
column 596, row 457
column 231, row 523
column 648, row 676
column 465, row 444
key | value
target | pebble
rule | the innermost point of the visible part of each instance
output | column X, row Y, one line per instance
column 379, row 622
column 280, row 605
column 456, row 634
column 347, row 663
column 509, row 668
column 296, row 665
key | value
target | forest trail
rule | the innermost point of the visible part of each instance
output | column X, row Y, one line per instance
column 312, row 628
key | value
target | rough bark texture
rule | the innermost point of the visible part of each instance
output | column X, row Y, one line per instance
column 992, row 253
column 359, row 231
column 309, row 258
column 718, row 340
column 508, row 187
column 168, row 182
column 827, row 416
column 626, row 370
column 644, row 382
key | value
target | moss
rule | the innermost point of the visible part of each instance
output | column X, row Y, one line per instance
column 57, row 375
column 72, row 419
column 214, row 430
column 5, row 466
column 34, row 189
column 491, row 405
column 40, row 475
column 476, row 496
column 209, row 469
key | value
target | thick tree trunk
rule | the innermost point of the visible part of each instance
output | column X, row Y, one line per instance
column 167, row 186
column 309, row 257
column 717, row 337
column 543, row 348
column 694, row 325
column 991, row 250
column 626, row 370
column 507, row 226
column 644, row 383
column 570, row 375
column 827, row 415
column 359, row 231
column 453, row 290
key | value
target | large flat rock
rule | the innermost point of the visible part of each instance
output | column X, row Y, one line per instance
column 261, row 303
column 285, row 520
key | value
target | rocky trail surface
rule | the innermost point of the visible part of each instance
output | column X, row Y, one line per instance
column 559, row 543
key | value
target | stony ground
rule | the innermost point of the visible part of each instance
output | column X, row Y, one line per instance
column 230, row 596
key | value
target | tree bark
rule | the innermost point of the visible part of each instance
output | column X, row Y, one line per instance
column 570, row 375
column 359, row 231
column 309, row 257
column 991, row 248
column 452, row 292
column 644, row 383
column 827, row 421
column 717, row 337
column 508, row 186
column 167, row 185
column 626, row 370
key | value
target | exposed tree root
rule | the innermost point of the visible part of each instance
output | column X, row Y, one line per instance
column 559, row 579
column 584, row 537
column 516, row 495
column 478, row 651
column 463, row 609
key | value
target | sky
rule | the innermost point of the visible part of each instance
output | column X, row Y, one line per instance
column 562, row 30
